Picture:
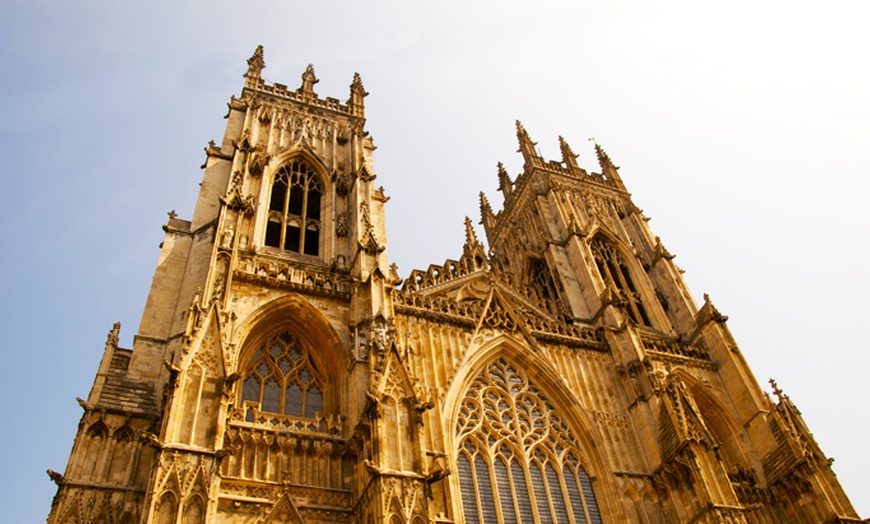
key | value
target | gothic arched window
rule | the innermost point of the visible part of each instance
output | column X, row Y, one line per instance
column 615, row 273
column 541, row 281
column 294, row 210
column 281, row 379
column 518, row 462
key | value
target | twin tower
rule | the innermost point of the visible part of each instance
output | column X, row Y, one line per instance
column 283, row 372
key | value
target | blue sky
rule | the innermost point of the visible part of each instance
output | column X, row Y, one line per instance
column 741, row 128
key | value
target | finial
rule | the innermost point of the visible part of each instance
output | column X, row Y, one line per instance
column 603, row 160
column 256, row 63
column 568, row 156
column 527, row 147
column 504, row 181
column 470, row 235
column 776, row 391
column 357, row 92
column 308, row 80
column 112, row 338
column 715, row 315
column 485, row 208
column 357, row 85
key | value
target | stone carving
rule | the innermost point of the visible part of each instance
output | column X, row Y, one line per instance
column 561, row 369
column 341, row 225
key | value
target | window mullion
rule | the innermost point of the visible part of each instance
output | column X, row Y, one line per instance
column 285, row 210
column 303, row 218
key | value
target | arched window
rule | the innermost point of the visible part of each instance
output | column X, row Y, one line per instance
column 615, row 273
column 294, row 210
column 281, row 379
column 541, row 281
column 517, row 461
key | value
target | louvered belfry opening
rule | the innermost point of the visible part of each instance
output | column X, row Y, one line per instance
column 294, row 210
column 517, row 461
column 616, row 274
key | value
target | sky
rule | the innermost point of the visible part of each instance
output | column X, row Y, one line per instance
column 741, row 129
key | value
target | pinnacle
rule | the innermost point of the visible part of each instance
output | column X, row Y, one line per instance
column 357, row 85
column 505, row 185
column 309, row 73
column 602, row 156
column 566, row 149
column 470, row 235
column 569, row 158
column 484, row 203
column 527, row 147
column 256, row 63
column 308, row 80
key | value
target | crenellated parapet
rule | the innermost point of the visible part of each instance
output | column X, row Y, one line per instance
column 254, row 83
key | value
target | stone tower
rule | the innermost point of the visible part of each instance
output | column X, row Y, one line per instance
column 283, row 371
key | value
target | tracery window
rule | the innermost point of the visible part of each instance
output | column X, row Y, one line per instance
column 541, row 281
column 614, row 271
column 518, row 462
column 281, row 379
column 294, row 210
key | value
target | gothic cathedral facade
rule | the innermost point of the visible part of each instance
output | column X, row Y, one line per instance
column 284, row 372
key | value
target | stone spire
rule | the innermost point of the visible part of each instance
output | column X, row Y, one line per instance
column 504, row 181
column 255, row 68
column 308, row 81
column 569, row 158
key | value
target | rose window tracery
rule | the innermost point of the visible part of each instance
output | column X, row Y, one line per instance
column 517, row 461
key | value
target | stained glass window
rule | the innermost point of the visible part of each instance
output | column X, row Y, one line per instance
column 281, row 379
column 517, row 460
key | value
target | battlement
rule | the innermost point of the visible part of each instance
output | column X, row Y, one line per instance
column 305, row 94
column 282, row 91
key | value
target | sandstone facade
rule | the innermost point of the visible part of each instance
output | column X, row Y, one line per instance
column 284, row 372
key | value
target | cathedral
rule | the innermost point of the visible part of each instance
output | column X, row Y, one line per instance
column 284, row 372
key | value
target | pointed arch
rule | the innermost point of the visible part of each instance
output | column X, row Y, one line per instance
column 619, row 273
column 522, row 441
column 398, row 420
column 284, row 510
column 194, row 510
column 197, row 405
column 295, row 313
column 303, row 153
column 166, row 509
column 292, row 361
column 295, row 203
column 720, row 423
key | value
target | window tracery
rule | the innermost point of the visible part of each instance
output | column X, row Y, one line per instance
column 293, row 222
column 517, row 461
column 541, row 280
column 280, row 378
column 615, row 273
